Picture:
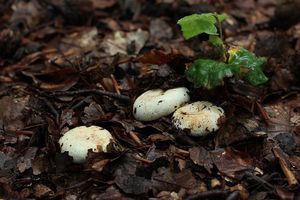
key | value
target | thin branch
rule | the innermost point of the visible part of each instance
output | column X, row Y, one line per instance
column 94, row 91
column 216, row 194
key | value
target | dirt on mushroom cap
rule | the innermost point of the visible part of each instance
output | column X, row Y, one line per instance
column 79, row 140
column 199, row 118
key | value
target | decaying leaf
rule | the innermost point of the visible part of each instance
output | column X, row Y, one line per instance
column 229, row 161
column 125, row 43
column 201, row 157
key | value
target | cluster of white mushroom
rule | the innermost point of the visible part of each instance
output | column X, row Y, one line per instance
column 199, row 118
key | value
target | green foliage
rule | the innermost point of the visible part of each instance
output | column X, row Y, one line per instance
column 215, row 40
column 242, row 64
column 247, row 59
column 196, row 24
column 209, row 73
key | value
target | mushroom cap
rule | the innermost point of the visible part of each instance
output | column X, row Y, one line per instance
column 157, row 103
column 79, row 140
column 200, row 118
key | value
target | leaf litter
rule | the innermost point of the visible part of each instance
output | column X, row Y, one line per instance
column 65, row 64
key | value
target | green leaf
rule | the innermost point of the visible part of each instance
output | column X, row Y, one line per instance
column 221, row 17
column 244, row 58
column 209, row 73
column 215, row 40
column 193, row 25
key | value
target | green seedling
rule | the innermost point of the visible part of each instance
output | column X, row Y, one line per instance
column 207, row 73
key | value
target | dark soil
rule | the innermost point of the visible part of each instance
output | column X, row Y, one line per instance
column 69, row 63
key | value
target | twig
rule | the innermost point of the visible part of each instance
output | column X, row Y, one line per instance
column 267, row 118
column 33, row 126
column 263, row 113
column 51, row 108
column 235, row 195
column 182, row 152
column 135, row 138
column 263, row 182
column 284, row 166
column 215, row 194
column 115, row 84
column 82, row 102
column 179, row 152
column 95, row 91
column 146, row 161
column 22, row 132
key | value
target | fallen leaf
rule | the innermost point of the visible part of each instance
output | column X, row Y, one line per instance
column 103, row 4
column 284, row 194
column 243, row 129
column 99, row 165
column 12, row 112
column 229, row 161
column 124, row 43
column 41, row 190
column 160, row 30
column 157, row 57
column 25, row 162
column 92, row 113
column 85, row 38
column 31, row 13
column 201, row 157
column 111, row 193
column 133, row 184
column 55, row 80
column 279, row 121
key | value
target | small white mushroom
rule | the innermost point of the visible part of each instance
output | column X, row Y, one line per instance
column 79, row 140
column 199, row 118
column 154, row 104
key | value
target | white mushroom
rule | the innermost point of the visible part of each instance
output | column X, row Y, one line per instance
column 154, row 104
column 79, row 140
column 199, row 118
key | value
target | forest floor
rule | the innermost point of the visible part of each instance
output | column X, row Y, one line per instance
column 57, row 58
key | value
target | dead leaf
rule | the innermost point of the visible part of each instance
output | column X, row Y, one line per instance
column 99, row 165
column 242, row 129
column 229, row 161
column 41, row 190
column 103, row 4
column 133, row 184
column 39, row 165
column 30, row 13
column 12, row 112
column 85, row 38
column 157, row 57
column 244, row 194
column 284, row 194
column 111, row 193
column 93, row 112
column 25, row 162
column 165, row 180
column 124, row 43
column 160, row 30
column 55, row 80
column 9, row 42
column 286, row 142
column 68, row 118
column 201, row 157
column 279, row 114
